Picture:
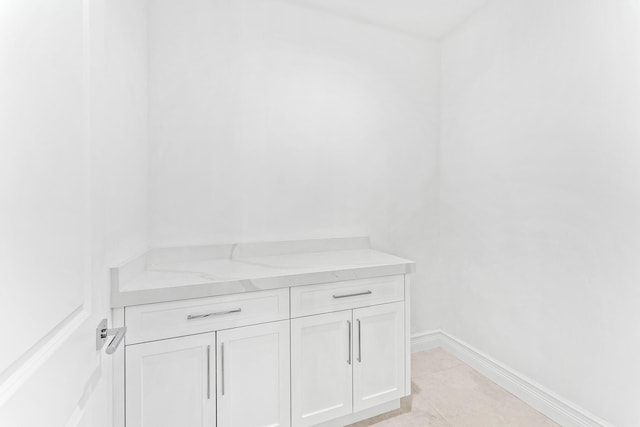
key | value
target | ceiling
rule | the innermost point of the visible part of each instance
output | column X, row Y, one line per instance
column 427, row 18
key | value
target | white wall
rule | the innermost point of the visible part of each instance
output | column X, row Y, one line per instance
column 124, row 153
column 541, row 195
column 270, row 121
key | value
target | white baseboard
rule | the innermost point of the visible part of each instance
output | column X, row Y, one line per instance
column 427, row 341
column 547, row 402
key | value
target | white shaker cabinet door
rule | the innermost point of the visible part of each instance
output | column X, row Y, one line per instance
column 379, row 359
column 170, row 383
column 321, row 360
column 253, row 376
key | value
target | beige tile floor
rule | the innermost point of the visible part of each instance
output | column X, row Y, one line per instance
column 448, row 393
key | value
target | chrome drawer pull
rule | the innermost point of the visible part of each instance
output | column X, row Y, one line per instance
column 349, row 329
column 359, row 342
column 352, row 295
column 217, row 313
column 222, row 367
column 208, row 372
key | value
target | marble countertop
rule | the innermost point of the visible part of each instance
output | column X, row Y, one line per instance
column 170, row 274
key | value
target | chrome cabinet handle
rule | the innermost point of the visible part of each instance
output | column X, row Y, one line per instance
column 352, row 295
column 215, row 313
column 208, row 372
column 222, row 368
column 359, row 342
column 349, row 342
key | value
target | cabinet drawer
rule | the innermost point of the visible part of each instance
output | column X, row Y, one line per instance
column 327, row 297
column 171, row 319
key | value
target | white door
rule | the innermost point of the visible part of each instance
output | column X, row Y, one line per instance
column 54, row 284
column 169, row 383
column 253, row 376
column 378, row 370
column 321, row 360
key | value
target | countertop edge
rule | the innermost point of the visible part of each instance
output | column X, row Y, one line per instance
column 121, row 299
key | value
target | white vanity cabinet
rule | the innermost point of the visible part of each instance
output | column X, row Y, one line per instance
column 321, row 360
column 347, row 361
column 379, row 355
column 325, row 354
column 186, row 358
column 253, row 376
column 170, row 382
